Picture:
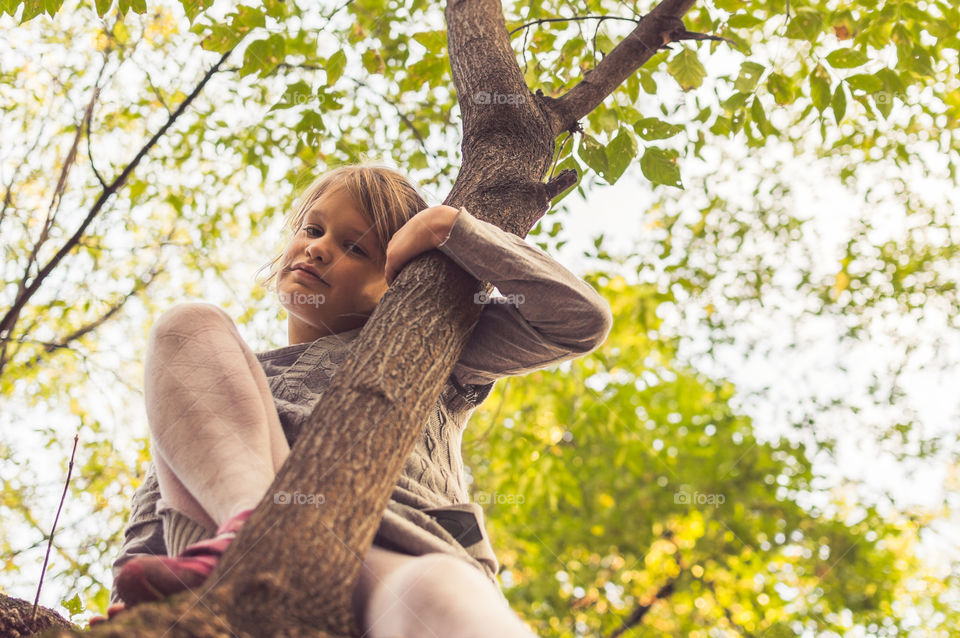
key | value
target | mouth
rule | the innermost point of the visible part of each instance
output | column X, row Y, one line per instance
column 310, row 272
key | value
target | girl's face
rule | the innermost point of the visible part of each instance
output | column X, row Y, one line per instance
column 336, row 242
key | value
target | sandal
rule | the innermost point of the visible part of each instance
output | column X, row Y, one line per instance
column 148, row 578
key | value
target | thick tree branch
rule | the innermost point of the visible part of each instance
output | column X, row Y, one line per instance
column 658, row 28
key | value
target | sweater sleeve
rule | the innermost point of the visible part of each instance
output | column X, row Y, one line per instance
column 144, row 531
column 546, row 314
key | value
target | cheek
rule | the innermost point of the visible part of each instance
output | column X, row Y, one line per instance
column 290, row 251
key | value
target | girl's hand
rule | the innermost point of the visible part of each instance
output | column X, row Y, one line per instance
column 424, row 231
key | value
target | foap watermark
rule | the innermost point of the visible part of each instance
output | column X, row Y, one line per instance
column 315, row 299
column 298, row 498
column 685, row 497
column 487, row 498
column 486, row 97
column 482, row 297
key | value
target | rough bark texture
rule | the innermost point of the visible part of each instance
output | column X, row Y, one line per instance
column 292, row 570
column 16, row 618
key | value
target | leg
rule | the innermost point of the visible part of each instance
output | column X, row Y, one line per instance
column 216, row 435
column 433, row 595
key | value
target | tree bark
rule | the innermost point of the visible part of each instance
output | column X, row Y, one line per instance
column 16, row 618
column 291, row 571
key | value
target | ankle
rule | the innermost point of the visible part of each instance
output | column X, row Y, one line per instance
column 235, row 521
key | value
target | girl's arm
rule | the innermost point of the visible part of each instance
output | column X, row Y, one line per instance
column 547, row 314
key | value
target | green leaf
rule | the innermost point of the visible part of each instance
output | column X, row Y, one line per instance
column 734, row 102
column 247, row 19
column 806, row 24
column 263, row 55
column 651, row 128
column 31, row 9
column 847, row 58
column 72, row 605
column 686, row 69
column 620, row 153
column 750, row 73
column 780, row 88
column 866, row 82
column 633, row 88
column 660, row 166
column 102, row 7
column 296, row 94
column 743, row 21
column 593, row 155
column 648, row 83
column 417, row 160
column 193, row 8
column 312, row 126
column 138, row 6
column 219, row 38
column 276, row 8
column 607, row 119
column 819, row 91
column 760, row 118
column 372, row 62
column 336, row 63
column 569, row 163
column 892, row 88
column 839, row 103
column 434, row 41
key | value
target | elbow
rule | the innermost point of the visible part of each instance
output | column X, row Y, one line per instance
column 604, row 324
column 594, row 328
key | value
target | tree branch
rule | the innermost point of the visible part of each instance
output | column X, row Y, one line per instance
column 667, row 589
column 139, row 286
column 655, row 31
column 636, row 616
column 23, row 296
column 545, row 20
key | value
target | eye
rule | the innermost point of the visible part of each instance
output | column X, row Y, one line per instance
column 316, row 231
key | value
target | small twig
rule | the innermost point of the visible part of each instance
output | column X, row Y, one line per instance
column 544, row 20
column 76, row 437
column 562, row 144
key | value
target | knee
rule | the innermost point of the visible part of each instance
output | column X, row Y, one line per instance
column 190, row 316
column 431, row 584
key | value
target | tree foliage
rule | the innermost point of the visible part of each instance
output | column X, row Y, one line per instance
column 864, row 93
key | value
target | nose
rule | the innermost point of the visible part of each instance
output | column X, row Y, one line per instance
column 319, row 250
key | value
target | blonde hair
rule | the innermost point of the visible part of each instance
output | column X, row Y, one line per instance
column 385, row 198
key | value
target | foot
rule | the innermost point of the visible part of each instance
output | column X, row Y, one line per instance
column 148, row 578
column 112, row 611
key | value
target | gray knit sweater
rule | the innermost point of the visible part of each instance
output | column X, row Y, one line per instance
column 545, row 315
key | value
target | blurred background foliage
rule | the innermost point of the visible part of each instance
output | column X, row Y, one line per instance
column 627, row 493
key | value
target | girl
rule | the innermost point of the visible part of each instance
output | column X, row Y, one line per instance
column 222, row 418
